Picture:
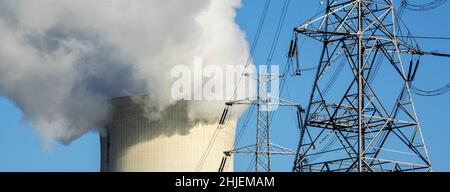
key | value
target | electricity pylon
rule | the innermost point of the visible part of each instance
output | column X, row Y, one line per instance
column 356, row 121
column 266, row 104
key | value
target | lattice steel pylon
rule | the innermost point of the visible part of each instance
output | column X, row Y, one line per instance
column 266, row 104
column 361, row 126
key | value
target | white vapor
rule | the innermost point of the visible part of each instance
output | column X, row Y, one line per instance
column 61, row 61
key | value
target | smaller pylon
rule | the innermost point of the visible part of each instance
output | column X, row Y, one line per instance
column 263, row 149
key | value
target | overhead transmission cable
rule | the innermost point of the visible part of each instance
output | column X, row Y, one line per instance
column 429, row 93
column 278, row 31
column 428, row 37
column 253, row 46
column 405, row 4
column 270, row 56
column 423, row 7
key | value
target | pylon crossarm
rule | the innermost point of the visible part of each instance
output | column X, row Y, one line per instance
column 281, row 102
column 399, row 162
column 247, row 101
column 274, row 150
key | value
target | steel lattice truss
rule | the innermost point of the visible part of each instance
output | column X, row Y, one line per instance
column 264, row 148
column 354, row 121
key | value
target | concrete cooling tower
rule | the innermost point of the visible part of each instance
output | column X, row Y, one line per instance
column 133, row 142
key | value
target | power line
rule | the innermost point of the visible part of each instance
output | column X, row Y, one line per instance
column 423, row 7
column 263, row 149
column 431, row 93
column 427, row 37
column 278, row 31
column 261, row 22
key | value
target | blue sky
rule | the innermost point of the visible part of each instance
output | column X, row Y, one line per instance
column 21, row 148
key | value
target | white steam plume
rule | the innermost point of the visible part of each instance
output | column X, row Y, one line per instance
column 62, row 60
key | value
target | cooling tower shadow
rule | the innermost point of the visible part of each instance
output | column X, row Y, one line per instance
column 132, row 118
column 134, row 131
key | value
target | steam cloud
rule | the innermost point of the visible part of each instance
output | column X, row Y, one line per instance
column 61, row 61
